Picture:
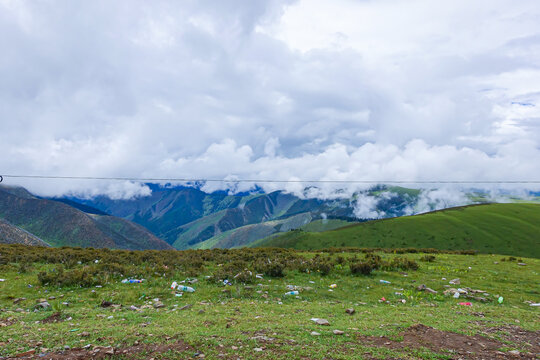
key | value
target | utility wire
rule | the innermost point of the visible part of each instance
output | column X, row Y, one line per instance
column 273, row 180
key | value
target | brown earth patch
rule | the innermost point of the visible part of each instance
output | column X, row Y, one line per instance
column 56, row 317
column 457, row 346
column 514, row 334
column 100, row 352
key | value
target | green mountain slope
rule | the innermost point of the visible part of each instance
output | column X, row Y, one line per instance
column 59, row 224
column 11, row 234
column 512, row 229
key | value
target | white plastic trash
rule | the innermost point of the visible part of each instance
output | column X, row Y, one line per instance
column 185, row 288
column 456, row 295
column 174, row 285
column 292, row 293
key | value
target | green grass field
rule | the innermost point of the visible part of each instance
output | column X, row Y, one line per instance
column 512, row 229
column 257, row 320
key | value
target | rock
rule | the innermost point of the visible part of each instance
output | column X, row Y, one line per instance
column 109, row 351
column 133, row 308
column 52, row 297
column 257, row 349
column 323, row 322
column 185, row 307
column 514, row 352
column 106, row 304
column 42, row 305
column 314, row 333
column 84, row 334
column 158, row 304
column 338, row 332
column 455, row 281
column 350, row 311
column 18, row 300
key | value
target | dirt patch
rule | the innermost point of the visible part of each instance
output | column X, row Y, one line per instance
column 457, row 346
column 529, row 340
column 100, row 352
column 56, row 317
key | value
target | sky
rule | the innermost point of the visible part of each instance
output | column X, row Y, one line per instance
column 414, row 90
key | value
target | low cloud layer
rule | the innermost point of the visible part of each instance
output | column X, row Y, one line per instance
column 287, row 90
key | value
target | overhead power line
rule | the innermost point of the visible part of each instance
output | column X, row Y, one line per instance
column 199, row 180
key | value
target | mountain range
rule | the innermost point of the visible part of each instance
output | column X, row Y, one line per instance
column 32, row 220
column 189, row 218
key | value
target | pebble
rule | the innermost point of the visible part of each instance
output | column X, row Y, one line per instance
column 338, row 332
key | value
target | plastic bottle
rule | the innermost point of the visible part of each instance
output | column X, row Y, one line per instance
column 185, row 288
column 292, row 293
column 384, row 282
column 174, row 285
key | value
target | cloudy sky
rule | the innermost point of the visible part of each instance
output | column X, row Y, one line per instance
column 307, row 89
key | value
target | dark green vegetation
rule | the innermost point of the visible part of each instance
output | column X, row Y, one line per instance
column 60, row 224
column 512, row 229
column 253, row 318
column 190, row 218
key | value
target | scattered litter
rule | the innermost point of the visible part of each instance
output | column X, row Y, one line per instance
column 333, row 286
column 259, row 276
column 178, row 294
column 522, row 264
column 295, row 292
column 73, row 330
column 132, row 281
column 311, row 282
column 384, row 282
column 383, row 299
column 456, row 295
column 350, row 311
column 500, row 299
column 338, row 332
column 314, row 333
column 2, row 280
column 227, row 282
column 318, row 321
column 534, row 304
column 185, row 288
column 455, row 281
column 174, row 285
column 96, row 261
column 465, row 304
column 426, row 289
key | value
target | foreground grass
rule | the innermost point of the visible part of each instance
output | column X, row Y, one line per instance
column 238, row 321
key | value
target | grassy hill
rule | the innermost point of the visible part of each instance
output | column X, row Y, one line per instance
column 512, row 229
column 11, row 234
column 59, row 224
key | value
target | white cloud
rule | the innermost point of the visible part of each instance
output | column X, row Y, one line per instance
column 311, row 89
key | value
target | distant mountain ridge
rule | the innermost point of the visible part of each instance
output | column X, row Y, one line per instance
column 11, row 234
column 59, row 224
column 187, row 217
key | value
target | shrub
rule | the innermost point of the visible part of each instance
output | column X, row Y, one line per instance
column 428, row 258
column 361, row 268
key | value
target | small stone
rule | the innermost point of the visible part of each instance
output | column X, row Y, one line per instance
column 257, row 349
column 350, row 311
column 85, row 334
column 322, row 322
column 106, row 304
column 455, row 281
column 158, row 304
column 514, row 352
column 314, row 333
column 109, row 351
column 185, row 307
column 43, row 305
column 338, row 332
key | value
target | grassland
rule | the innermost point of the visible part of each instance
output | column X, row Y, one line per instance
column 254, row 319
column 512, row 229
